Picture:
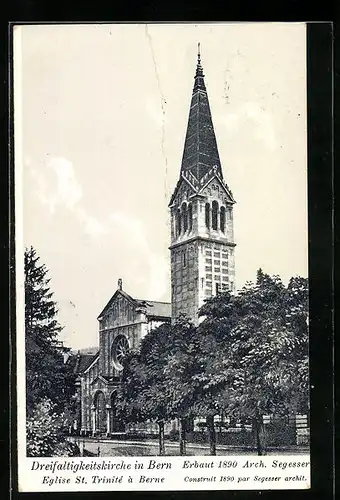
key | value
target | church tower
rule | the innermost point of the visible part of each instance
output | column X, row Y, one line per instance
column 202, row 234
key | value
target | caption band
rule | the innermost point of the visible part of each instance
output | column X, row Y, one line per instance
column 156, row 473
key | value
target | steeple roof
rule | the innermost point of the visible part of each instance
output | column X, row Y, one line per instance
column 200, row 161
column 200, row 153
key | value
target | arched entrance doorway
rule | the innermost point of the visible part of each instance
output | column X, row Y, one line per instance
column 99, row 409
column 116, row 424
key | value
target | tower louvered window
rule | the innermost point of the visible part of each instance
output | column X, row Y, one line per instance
column 190, row 217
column 179, row 221
column 207, row 215
column 185, row 217
column 214, row 215
column 222, row 219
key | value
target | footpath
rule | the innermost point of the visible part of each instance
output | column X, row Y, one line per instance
column 91, row 443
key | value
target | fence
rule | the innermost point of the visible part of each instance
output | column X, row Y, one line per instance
column 276, row 431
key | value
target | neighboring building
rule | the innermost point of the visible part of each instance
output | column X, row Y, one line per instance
column 202, row 264
column 78, row 364
column 62, row 349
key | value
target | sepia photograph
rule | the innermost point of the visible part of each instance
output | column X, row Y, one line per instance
column 162, row 251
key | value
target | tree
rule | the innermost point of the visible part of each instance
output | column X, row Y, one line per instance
column 156, row 382
column 248, row 357
column 197, row 372
column 46, row 374
column 214, row 380
column 183, row 363
column 143, row 392
column 294, row 362
column 154, row 356
column 129, row 401
column 265, row 340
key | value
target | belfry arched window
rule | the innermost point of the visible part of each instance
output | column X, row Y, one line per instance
column 190, row 216
column 185, row 217
column 222, row 219
column 207, row 215
column 178, row 221
column 214, row 215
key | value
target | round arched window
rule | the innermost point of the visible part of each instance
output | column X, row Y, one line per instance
column 120, row 348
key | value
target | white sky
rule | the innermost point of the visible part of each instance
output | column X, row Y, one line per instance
column 103, row 121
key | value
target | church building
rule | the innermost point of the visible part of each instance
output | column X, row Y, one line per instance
column 202, row 264
column 123, row 323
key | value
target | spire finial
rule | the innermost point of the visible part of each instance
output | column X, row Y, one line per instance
column 120, row 284
column 199, row 77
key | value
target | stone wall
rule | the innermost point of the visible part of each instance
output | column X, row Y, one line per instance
column 184, row 280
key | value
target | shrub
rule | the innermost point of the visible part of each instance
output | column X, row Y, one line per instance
column 45, row 433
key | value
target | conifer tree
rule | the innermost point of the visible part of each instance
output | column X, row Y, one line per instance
column 46, row 374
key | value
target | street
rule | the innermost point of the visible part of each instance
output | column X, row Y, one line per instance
column 116, row 448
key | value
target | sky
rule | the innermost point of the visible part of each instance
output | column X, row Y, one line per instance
column 100, row 120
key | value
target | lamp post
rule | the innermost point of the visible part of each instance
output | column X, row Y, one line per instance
column 93, row 409
column 108, row 419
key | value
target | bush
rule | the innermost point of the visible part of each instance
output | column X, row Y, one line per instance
column 45, row 433
column 279, row 434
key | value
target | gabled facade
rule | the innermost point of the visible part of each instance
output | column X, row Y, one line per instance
column 123, row 323
column 202, row 228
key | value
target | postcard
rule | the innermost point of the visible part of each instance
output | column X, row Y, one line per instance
column 161, row 256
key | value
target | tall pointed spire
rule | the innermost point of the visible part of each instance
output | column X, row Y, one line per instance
column 200, row 153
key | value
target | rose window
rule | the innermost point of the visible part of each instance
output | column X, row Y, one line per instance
column 120, row 348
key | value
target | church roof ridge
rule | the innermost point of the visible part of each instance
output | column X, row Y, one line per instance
column 155, row 301
column 156, row 308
